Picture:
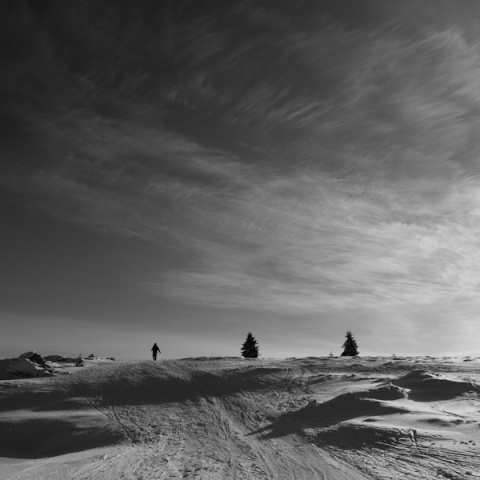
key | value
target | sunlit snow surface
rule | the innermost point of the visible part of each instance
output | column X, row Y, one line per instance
column 205, row 418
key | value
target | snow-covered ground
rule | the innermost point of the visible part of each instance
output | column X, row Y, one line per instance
column 228, row 418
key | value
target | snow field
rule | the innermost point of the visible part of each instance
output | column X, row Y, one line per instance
column 312, row 418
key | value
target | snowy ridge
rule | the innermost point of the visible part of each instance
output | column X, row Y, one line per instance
column 335, row 418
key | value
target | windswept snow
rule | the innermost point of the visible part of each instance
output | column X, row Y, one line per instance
column 311, row 418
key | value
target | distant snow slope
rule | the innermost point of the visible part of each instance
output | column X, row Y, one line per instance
column 312, row 418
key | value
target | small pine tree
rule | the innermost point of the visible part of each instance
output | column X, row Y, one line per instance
column 249, row 348
column 350, row 348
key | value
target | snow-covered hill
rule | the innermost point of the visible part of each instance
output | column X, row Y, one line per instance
column 310, row 418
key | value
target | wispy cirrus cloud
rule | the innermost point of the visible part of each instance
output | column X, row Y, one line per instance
column 302, row 166
column 329, row 247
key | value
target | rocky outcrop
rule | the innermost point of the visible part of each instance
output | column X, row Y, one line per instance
column 29, row 364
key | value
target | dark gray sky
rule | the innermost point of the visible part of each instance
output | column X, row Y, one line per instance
column 188, row 171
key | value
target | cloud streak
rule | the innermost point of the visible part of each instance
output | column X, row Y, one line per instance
column 329, row 248
column 301, row 168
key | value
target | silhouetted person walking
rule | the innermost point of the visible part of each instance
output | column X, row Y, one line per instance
column 155, row 350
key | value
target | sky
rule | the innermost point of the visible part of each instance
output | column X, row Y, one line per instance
column 185, row 172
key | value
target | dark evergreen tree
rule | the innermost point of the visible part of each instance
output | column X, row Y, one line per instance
column 249, row 348
column 350, row 348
